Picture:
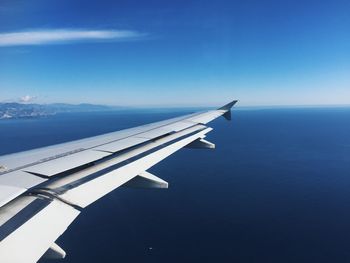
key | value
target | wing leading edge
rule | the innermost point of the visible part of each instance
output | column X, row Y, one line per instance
column 42, row 191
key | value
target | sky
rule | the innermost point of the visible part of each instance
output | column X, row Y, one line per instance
column 175, row 53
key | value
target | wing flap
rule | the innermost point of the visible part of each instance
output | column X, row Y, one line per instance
column 40, row 228
column 92, row 190
column 117, row 160
column 15, row 183
column 8, row 193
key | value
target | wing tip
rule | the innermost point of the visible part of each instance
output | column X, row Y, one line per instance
column 227, row 109
column 228, row 106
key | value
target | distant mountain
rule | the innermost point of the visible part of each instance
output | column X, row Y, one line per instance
column 21, row 110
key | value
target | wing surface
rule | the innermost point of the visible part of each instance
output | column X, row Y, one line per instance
column 43, row 190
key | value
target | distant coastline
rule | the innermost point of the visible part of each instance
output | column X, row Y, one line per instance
column 16, row 110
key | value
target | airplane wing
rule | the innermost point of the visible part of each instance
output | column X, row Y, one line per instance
column 42, row 191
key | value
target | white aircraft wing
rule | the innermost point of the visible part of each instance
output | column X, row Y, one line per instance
column 43, row 190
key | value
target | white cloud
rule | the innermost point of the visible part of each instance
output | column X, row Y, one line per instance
column 41, row 37
column 27, row 98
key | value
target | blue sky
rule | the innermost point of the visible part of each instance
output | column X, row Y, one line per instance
column 176, row 53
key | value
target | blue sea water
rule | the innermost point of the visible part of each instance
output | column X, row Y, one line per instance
column 276, row 189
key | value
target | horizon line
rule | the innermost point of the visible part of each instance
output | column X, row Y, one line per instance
column 194, row 105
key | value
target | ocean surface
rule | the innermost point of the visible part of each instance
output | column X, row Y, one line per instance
column 276, row 189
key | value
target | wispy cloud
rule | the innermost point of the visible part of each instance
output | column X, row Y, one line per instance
column 59, row 36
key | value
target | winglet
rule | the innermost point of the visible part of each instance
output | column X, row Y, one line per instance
column 227, row 108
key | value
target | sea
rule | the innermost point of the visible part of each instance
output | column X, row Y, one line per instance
column 275, row 189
